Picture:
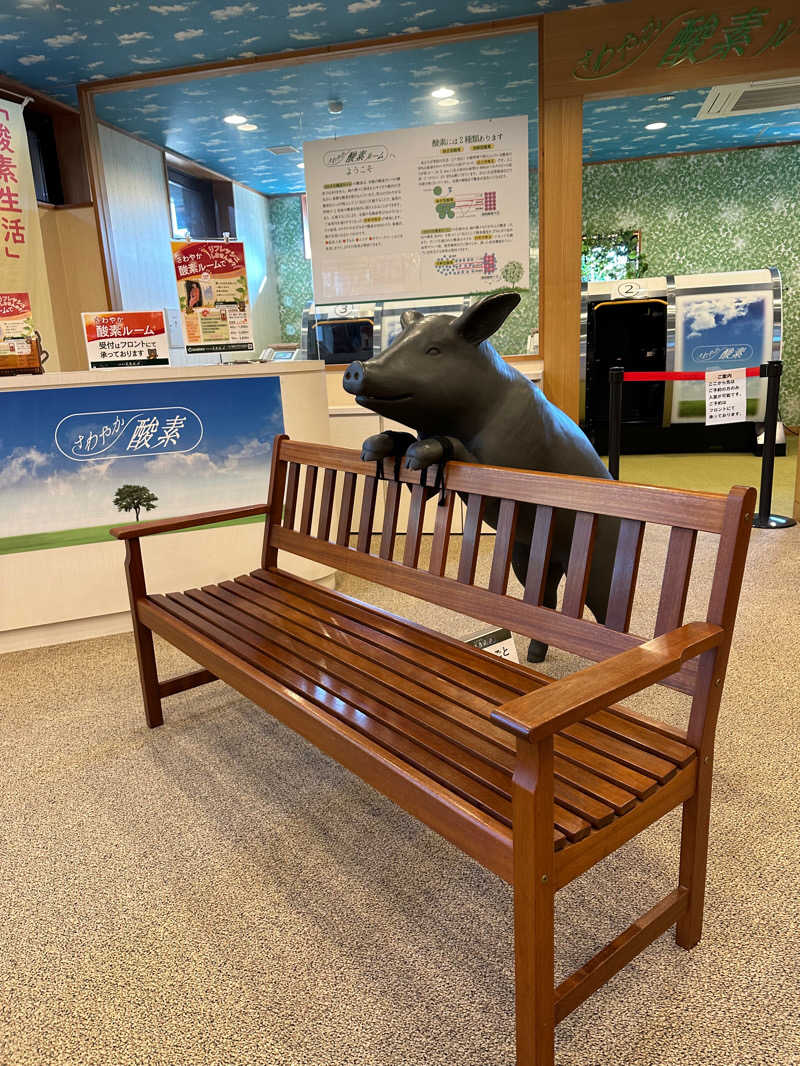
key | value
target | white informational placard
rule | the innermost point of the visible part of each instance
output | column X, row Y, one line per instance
column 125, row 338
column 726, row 396
column 433, row 211
column 496, row 642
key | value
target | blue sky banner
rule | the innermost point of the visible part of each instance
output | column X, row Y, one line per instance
column 196, row 445
column 723, row 330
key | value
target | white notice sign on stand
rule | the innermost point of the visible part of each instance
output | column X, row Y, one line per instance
column 726, row 396
column 433, row 211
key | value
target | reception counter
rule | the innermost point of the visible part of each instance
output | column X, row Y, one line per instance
column 81, row 452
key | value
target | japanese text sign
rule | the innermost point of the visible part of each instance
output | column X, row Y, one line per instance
column 212, row 290
column 726, row 396
column 125, row 338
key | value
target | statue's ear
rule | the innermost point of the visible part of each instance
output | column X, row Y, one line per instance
column 485, row 317
column 408, row 318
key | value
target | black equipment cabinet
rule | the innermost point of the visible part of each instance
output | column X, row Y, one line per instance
column 631, row 334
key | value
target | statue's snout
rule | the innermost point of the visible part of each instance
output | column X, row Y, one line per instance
column 354, row 378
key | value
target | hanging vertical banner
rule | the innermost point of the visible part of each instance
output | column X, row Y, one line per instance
column 23, row 269
column 125, row 338
column 212, row 290
column 433, row 211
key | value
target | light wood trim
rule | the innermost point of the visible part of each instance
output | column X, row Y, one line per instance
column 317, row 54
column 97, row 184
column 560, row 227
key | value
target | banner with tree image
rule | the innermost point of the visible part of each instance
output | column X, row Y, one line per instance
column 212, row 292
column 76, row 461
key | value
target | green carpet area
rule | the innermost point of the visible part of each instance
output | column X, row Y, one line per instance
column 714, row 472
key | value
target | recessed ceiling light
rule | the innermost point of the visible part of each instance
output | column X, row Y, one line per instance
column 451, row 101
column 234, row 120
column 442, row 94
column 301, row 166
column 248, row 127
column 656, row 126
column 666, row 98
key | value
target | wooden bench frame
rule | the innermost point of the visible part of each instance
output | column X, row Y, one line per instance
column 691, row 658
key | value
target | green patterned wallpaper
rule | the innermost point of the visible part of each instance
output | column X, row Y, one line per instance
column 734, row 210
column 294, row 270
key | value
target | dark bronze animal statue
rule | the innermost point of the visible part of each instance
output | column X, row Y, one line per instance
column 441, row 378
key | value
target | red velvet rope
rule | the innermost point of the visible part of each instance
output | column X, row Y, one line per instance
column 678, row 375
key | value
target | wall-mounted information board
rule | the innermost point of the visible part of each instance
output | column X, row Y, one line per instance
column 433, row 211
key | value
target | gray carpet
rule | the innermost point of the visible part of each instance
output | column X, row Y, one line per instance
column 217, row 892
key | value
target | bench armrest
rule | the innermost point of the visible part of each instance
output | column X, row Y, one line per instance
column 171, row 525
column 553, row 707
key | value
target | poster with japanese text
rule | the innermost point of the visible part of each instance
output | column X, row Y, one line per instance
column 76, row 461
column 720, row 330
column 212, row 292
column 125, row 338
column 433, row 211
column 16, row 333
column 22, row 264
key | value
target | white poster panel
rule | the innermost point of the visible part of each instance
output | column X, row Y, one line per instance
column 433, row 211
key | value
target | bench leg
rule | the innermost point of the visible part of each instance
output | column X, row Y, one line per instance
column 694, row 857
column 143, row 638
column 533, row 903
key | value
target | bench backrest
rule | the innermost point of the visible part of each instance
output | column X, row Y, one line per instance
column 323, row 506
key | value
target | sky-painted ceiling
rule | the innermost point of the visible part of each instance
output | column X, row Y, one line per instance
column 52, row 45
column 615, row 129
column 491, row 77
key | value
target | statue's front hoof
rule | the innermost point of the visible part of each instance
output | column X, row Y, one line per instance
column 536, row 651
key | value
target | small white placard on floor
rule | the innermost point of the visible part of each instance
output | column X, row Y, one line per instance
column 497, row 642
column 726, row 396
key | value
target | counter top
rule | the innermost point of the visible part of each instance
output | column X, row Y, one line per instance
column 141, row 375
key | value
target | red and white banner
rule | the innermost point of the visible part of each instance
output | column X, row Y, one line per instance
column 125, row 338
column 212, row 291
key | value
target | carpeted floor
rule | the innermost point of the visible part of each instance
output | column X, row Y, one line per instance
column 217, row 892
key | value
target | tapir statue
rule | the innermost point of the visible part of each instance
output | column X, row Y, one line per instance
column 441, row 378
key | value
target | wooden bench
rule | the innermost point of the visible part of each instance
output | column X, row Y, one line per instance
column 536, row 779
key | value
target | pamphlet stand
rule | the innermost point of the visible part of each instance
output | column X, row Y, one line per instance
column 771, row 371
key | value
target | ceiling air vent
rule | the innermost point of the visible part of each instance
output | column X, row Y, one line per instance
column 282, row 149
column 751, row 98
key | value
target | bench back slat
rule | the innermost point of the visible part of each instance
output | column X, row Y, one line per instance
column 326, row 504
column 471, row 541
column 576, row 504
column 675, row 585
column 348, row 498
column 390, row 513
column 367, row 518
column 539, row 556
column 416, row 521
column 623, row 578
column 579, row 565
column 309, row 492
column 441, row 535
column 503, row 546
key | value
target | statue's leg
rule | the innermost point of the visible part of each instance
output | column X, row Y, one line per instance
column 386, row 445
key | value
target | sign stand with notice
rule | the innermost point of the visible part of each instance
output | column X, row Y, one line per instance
column 125, row 338
column 20, row 351
column 213, row 296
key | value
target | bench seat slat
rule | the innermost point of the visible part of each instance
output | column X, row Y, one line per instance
column 491, row 691
column 516, row 678
column 329, row 650
column 287, row 671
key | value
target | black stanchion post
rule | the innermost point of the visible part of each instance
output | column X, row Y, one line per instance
column 765, row 519
column 615, row 379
